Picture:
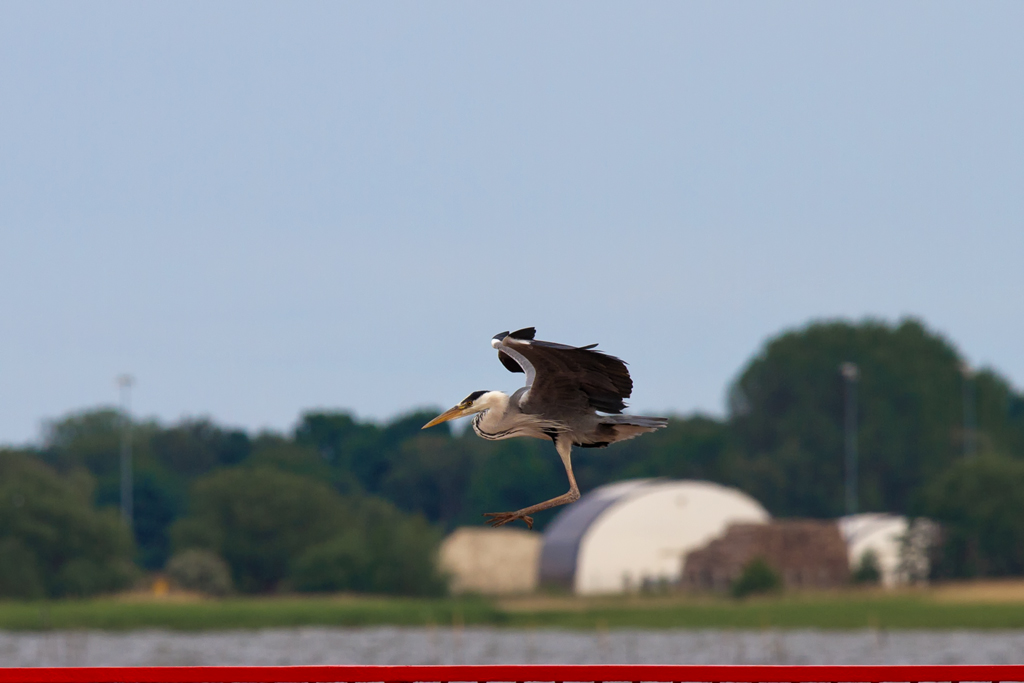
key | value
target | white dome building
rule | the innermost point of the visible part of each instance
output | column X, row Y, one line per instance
column 878, row 533
column 901, row 548
column 620, row 536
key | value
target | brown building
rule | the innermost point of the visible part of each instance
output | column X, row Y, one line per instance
column 806, row 553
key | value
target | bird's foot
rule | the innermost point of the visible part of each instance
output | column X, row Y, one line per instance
column 500, row 518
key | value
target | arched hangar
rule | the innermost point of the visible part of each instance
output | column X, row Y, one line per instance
column 619, row 537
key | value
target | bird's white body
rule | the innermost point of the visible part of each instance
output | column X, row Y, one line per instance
column 500, row 417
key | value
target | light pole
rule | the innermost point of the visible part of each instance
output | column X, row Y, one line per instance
column 850, row 376
column 125, row 382
column 970, row 442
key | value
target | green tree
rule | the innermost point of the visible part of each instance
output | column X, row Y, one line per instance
column 20, row 574
column 430, row 474
column 264, row 522
column 786, row 412
column 979, row 502
column 89, row 439
column 513, row 474
column 384, row 551
column 270, row 450
column 867, row 570
column 757, row 577
column 159, row 501
column 342, row 441
column 200, row 570
column 164, row 461
column 257, row 519
column 363, row 451
column 1000, row 413
column 52, row 541
column 194, row 447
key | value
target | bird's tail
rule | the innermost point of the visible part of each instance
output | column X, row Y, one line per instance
column 628, row 426
column 636, row 421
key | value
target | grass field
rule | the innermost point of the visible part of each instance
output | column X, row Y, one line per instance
column 242, row 613
column 967, row 606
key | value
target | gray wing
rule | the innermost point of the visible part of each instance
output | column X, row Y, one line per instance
column 562, row 379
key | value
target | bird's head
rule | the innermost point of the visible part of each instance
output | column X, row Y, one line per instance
column 477, row 402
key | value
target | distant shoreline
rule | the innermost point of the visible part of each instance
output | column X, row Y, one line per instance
column 985, row 605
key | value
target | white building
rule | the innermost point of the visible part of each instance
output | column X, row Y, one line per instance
column 491, row 561
column 900, row 549
column 621, row 536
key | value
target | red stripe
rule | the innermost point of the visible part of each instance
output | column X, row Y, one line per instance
column 531, row 673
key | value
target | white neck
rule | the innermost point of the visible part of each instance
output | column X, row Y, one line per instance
column 493, row 400
column 492, row 405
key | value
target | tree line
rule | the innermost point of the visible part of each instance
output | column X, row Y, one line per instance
column 344, row 504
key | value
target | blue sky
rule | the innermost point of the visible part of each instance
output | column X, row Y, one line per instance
column 263, row 208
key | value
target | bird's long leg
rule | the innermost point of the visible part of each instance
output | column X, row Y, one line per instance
column 564, row 447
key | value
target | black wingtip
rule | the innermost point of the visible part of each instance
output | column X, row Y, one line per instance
column 526, row 333
column 500, row 335
column 509, row 364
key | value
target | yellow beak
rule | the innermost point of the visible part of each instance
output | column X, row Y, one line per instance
column 450, row 414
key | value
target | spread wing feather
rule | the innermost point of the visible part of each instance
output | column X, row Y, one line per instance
column 565, row 378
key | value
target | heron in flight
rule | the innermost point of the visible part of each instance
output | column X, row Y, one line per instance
column 574, row 396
